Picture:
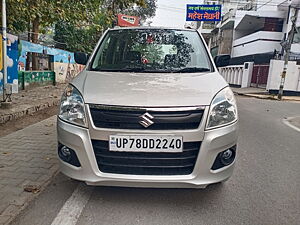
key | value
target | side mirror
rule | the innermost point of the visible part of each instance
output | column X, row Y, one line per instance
column 81, row 58
column 222, row 60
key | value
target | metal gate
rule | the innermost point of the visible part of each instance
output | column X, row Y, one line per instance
column 260, row 75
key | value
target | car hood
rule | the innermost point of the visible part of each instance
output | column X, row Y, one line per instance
column 149, row 89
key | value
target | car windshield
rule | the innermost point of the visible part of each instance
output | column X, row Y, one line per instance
column 152, row 50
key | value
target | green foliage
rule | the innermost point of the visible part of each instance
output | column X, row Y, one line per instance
column 76, row 38
column 78, row 23
column 143, row 12
column 84, row 37
column 142, row 8
column 47, row 12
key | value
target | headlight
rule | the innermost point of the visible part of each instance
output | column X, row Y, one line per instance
column 72, row 107
column 223, row 110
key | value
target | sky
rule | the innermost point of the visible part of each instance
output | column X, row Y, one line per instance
column 171, row 13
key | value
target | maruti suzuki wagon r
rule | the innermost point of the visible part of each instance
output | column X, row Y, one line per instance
column 150, row 109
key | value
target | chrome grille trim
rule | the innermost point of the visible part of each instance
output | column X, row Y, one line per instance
column 156, row 109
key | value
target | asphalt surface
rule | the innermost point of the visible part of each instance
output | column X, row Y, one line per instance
column 264, row 188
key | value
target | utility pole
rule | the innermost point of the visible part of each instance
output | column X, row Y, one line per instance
column 4, row 48
column 287, row 48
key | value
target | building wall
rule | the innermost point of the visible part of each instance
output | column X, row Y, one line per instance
column 64, row 64
column 226, row 42
column 66, row 71
column 12, row 63
column 292, row 80
column 269, row 5
column 259, row 24
column 295, row 48
column 29, row 79
column 58, row 54
column 268, row 13
column 259, row 42
column 255, row 48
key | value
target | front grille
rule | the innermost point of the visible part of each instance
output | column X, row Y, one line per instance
column 130, row 118
column 146, row 163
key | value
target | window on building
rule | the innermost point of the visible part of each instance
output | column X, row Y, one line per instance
column 273, row 24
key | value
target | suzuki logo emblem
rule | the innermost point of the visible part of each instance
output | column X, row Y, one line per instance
column 146, row 120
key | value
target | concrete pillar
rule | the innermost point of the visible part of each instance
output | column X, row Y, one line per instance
column 230, row 75
column 247, row 74
column 234, row 75
column 227, row 74
column 240, row 77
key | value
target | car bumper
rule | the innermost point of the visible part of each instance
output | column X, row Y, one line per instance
column 212, row 143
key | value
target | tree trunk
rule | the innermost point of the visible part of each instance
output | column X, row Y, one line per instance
column 114, row 21
column 34, row 39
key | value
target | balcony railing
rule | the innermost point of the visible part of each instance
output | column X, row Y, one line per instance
column 232, row 74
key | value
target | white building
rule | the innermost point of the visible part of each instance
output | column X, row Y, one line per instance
column 253, row 37
column 263, row 30
column 254, row 28
column 207, row 27
column 219, row 35
column 257, row 32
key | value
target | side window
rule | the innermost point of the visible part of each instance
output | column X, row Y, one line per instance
column 102, row 53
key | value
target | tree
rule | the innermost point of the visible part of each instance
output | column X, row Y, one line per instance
column 78, row 23
column 143, row 12
column 74, row 37
column 113, row 7
column 32, row 15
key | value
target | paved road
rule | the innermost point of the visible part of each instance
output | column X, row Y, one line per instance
column 263, row 190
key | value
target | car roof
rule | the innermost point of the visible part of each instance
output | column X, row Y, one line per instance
column 151, row 28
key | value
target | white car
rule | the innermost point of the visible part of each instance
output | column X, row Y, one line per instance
column 150, row 109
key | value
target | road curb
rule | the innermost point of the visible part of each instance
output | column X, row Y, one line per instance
column 266, row 97
column 28, row 111
column 260, row 97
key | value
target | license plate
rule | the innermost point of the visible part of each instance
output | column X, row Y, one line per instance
column 141, row 143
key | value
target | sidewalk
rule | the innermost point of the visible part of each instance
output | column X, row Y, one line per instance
column 30, row 101
column 261, row 94
column 27, row 163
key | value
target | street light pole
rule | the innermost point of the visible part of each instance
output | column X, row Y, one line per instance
column 4, row 48
column 287, row 53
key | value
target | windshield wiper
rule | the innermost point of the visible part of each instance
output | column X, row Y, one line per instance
column 192, row 70
column 133, row 69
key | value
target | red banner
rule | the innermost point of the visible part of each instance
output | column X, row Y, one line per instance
column 127, row 21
